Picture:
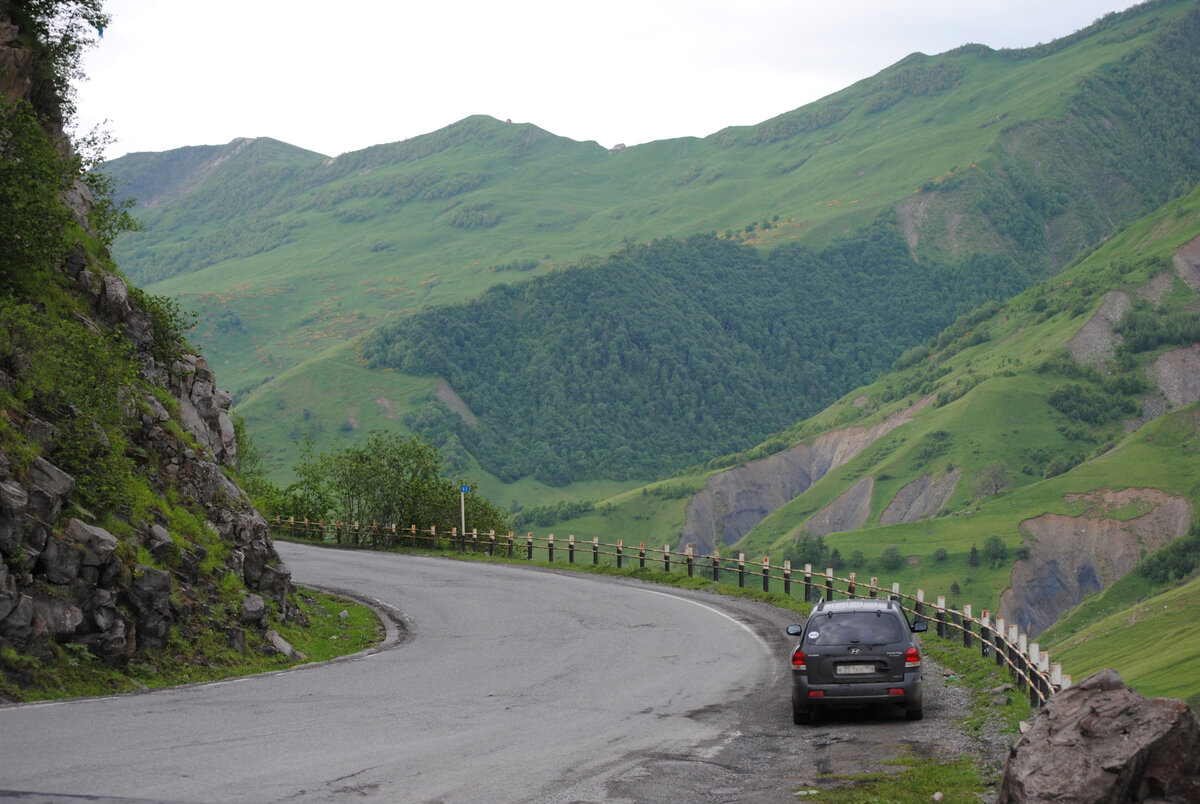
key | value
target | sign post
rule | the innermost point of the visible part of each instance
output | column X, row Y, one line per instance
column 462, row 505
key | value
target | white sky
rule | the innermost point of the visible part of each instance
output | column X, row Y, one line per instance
column 339, row 76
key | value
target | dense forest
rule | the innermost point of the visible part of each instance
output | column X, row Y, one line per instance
column 634, row 366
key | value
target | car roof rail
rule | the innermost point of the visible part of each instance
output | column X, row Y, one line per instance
column 820, row 604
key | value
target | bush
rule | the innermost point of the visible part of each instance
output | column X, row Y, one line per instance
column 892, row 560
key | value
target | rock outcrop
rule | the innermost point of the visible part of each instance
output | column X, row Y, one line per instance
column 734, row 501
column 848, row 512
column 63, row 577
column 923, row 497
column 1072, row 556
column 1100, row 742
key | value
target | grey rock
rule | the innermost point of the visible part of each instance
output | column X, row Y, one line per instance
column 254, row 609
column 9, row 594
column 150, row 598
column 62, row 617
column 15, row 628
column 51, row 487
column 274, row 582
column 60, row 561
column 277, row 644
column 99, row 545
column 114, row 646
column 1100, row 742
column 13, row 501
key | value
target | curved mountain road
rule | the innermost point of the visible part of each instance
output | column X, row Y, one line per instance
column 505, row 684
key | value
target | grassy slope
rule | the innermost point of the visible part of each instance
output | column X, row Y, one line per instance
column 1011, row 401
column 559, row 200
column 1164, row 660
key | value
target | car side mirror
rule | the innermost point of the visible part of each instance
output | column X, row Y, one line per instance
column 795, row 630
column 920, row 626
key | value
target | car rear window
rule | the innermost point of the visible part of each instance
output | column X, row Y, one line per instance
column 848, row 627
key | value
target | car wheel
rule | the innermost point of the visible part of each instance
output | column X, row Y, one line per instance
column 801, row 718
column 914, row 714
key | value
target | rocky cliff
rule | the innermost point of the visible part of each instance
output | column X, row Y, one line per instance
column 734, row 501
column 178, row 551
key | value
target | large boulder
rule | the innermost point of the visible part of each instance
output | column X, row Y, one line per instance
column 1099, row 742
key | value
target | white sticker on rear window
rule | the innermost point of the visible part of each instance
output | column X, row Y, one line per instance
column 813, row 634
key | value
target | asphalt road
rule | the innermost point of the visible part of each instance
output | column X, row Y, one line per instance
column 502, row 683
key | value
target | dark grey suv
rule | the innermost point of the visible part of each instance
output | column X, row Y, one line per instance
column 855, row 653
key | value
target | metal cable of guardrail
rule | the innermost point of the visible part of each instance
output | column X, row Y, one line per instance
column 1030, row 667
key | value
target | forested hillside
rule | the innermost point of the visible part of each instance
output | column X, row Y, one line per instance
column 673, row 352
column 1010, row 162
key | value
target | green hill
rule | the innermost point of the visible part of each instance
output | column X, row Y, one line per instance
column 1032, row 156
column 1064, row 437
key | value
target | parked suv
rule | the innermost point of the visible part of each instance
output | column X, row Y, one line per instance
column 855, row 653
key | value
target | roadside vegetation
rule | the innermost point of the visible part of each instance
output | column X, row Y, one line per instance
column 320, row 633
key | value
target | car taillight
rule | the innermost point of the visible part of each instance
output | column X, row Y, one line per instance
column 912, row 658
column 798, row 661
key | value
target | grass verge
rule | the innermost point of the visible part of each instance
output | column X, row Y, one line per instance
column 71, row 671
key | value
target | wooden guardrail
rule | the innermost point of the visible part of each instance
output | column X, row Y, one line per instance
column 1030, row 667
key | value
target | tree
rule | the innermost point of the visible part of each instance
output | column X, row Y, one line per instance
column 994, row 550
column 892, row 559
column 973, row 556
column 940, row 554
column 857, row 559
column 57, row 32
column 991, row 480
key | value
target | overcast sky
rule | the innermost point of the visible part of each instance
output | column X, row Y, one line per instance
column 339, row 76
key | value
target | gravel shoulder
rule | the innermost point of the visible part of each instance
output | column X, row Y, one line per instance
column 763, row 757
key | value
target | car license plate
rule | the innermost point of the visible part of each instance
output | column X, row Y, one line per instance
column 855, row 669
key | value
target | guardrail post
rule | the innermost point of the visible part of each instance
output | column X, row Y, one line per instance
column 966, row 625
column 475, row 539
column 338, row 531
column 433, row 537
column 620, row 553
column 690, row 559
column 1044, row 677
column 808, row 583
column 595, row 550
column 741, row 570
column 491, row 542
column 529, row 543
column 454, row 541
column 1001, row 647
column 874, row 587
column 941, row 616
column 1035, row 679
column 1056, row 676
column 292, row 526
column 666, row 558
column 851, row 586
column 985, row 635
column 829, row 583
column 642, row 556
column 716, row 565
column 920, row 605
column 1014, row 660
column 570, row 549
column 550, row 547
column 787, row 577
column 766, row 573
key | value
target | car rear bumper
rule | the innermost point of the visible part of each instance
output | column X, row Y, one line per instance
column 849, row 696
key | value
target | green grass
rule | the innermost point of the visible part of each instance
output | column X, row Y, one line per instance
column 1153, row 641
column 205, row 655
column 914, row 782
